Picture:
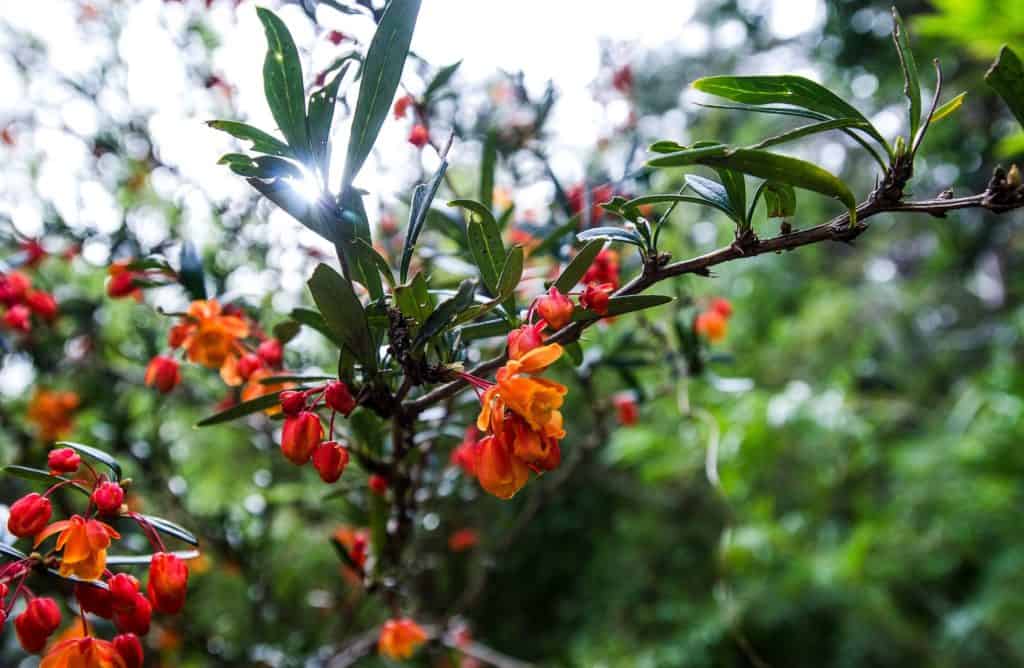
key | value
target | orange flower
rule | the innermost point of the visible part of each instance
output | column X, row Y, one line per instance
column 83, row 653
column 399, row 638
column 536, row 400
column 712, row 325
column 85, row 544
column 254, row 388
column 211, row 338
column 52, row 413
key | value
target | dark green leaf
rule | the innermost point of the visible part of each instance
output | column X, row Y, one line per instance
column 672, row 197
column 414, row 299
column 553, row 238
column 488, row 162
column 353, row 226
column 191, row 272
column 485, row 329
column 378, row 261
column 314, row 215
column 442, row 77
column 446, row 312
column 171, row 529
column 38, row 475
column 623, row 305
column 292, row 378
column 715, row 193
column 320, row 118
column 911, row 78
column 313, row 319
column 343, row 313
column 12, row 552
column 287, row 330
column 261, row 141
column 611, row 234
column 260, row 167
column 484, row 237
column 241, row 410
column 1006, row 77
column 574, row 351
column 511, row 272
column 578, row 266
column 95, row 453
column 779, row 199
column 144, row 559
column 381, row 74
column 282, row 82
column 422, row 198
column 810, row 129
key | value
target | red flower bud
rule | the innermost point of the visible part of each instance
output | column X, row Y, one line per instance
column 130, row 649
column 121, row 284
column 419, row 136
column 40, row 619
column 330, row 459
column 292, row 402
column 338, row 397
column 168, row 583
column 336, row 37
column 177, row 335
column 34, row 252
column 18, row 318
column 628, row 412
column 96, row 600
column 108, row 497
column 123, row 590
column 272, row 352
column 378, row 484
column 3, row 618
column 722, row 306
column 135, row 619
column 247, row 364
column 29, row 515
column 463, row 539
column 711, row 325
column 524, row 339
column 555, row 308
column 300, row 436
column 63, row 460
column 163, row 373
column 595, row 298
column 42, row 304
column 622, row 79
column 402, row 105
column 13, row 287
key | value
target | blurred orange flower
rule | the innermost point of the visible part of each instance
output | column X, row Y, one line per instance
column 212, row 338
column 400, row 638
column 52, row 413
column 83, row 653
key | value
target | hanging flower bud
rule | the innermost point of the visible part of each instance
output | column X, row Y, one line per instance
column 34, row 252
column 524, row 339
column 339, row 398
column 622, row 79
column 402, row 105
column 300, row 436
column 292, row 402
column 34, row 626
column 29, row 515
column 13, row 287
column 271, row 352
column 711, row 325
column 378, row 484
column 130, row 649
column 247, row 364
column 123, row 590
column 163, row 373
column 419, row 136
column 330, row 459
column 135, row 619
column 63, row 460
column 121, row 284
column 168, row 582
column 555, row 308
column 722, row 306
column 400, row 638
column 96, row 600
column 595, row 297
column 463, row 539
column 18, row 318
column 42, row 304
column 335, row 37
column 628, row 412
column 108, row 497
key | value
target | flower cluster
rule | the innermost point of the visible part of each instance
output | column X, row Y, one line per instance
column 21, row 302
column 79, row 554
column 713, row 322
column 302, row 437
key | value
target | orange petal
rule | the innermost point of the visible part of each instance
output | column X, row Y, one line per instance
column 540, row 358
column 56, row 527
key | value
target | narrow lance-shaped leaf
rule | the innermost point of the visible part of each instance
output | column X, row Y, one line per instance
column 191, row 271
column 282, row 82
column 260, row 167
column 611, row 234
column 1006, row 77
column 261, row 141
column 949, row 107
column 446, row 312
column 313, row 319
column 353, row 225
column 422, row 198
column 241, row 410
column 442, row 77
column 171, row 529
column 320, row 118
column 488, row 162
column 912, row 81
column 779, row 200
column 343, row 313
column 511, row 272
column 810, row 129
column 378, row 260
column 381, row 74
column 485, row 243
column 715, row 193
column 623, row 305
column 578, row 266
column 38, row 475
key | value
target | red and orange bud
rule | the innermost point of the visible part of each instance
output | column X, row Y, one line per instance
column 34, row 626
column 29, row 515
column 34, row 252
column 63, row 460
column 378, row 484
column 108, row 497
column 722, row 306
column 338, row 397
column 596, row 297
column 248, row 364
column 18, row 318
column 330, row 460
column 555, row 308
column 13, row 287
column 627, row 410
column 271, row 352
column 463, row 539
column 163, row 373
column 86, row 652
column 524, row 339
column 121, row 284
column 419, row 136
column 135, row 619
column 292, row 402
column 168, row 583
column 130, row 649
column 711, row 325
column 400, row 638
column 300, row 436
column 96, row 600
column 123, row 590
column 42, row 304
column 402, row 105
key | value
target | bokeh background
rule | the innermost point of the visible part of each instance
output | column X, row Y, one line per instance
column 867, row 401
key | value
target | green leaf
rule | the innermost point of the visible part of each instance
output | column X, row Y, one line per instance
column 611, row 234
column 95, row 453
column 292, row 378
column 286, row 330
column 282, row 82
column 260, row 167
column 574, row 351
column 12, row 552
column 810, row 129
column 736, row 189
column 241, row 410
column 353, row 226
column 38, row 475
column 485, row 329
column 145, row 559
column 623, row 305
column 445, row 313
column 381, row 74
column 1006, row 77
column 555, row 236
column 191, row 271
column 422, row 198
column 911, row 77
column 343, row 313
column 768, row 166
column 578, row 266
column 715, row 194
column 320, row 118
column 485, row 243
column 261, row 141
column 442, row 77
column 779, row 200
column 378, row 260
column 171, row 529
column 511, row 272
column 673, row 197
column 414, row 299
column 785, row 89
column 949, row 107
column 313, row 319
column 488, row 161
column 314, row 215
